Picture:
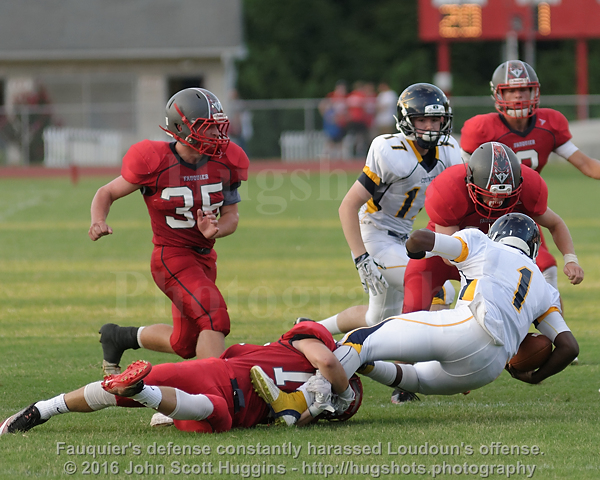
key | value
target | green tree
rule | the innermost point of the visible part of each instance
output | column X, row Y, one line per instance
column 300, row 48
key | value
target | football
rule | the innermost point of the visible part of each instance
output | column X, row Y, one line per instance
column 533, row 353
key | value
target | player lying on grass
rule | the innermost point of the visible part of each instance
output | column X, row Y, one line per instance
column 502, row 293
column 209, row 395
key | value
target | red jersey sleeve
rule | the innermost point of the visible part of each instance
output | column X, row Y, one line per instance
column 447, row 201
column 475, row 131
column 238, row 162
column 310, row 330
column 534, row 194
column 557, row 124
column 140, row 162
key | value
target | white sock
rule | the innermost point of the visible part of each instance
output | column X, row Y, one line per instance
column 149, row 396
column 410, row 379
column 54, row 406
column 383, row 372
column 331, row 325
column 138, row 337
column 191, row 407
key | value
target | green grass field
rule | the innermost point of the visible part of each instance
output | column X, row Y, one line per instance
column 287, row 259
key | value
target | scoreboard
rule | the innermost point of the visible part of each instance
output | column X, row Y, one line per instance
column 464, row 20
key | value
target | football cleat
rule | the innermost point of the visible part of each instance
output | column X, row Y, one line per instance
column 22, row 421
column 400, row 397
column 130, row 382
column 286, row 407
column 302, row 319
column 575, row 361
column 115, row 340
column 161, row 420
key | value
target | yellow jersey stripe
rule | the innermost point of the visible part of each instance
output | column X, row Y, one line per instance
column 464, row 252
column 371, row 207
column 433, row 325
column 355, row 346
column 372, row 175
column 469, row 292
column 548, row 312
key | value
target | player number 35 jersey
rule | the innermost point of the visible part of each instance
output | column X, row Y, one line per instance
column 397, row 177
column 174, row 190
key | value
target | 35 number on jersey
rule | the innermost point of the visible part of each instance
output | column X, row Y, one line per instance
column 188, row 203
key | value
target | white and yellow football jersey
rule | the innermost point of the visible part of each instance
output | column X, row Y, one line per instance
column 505, row 289
column 397, row 177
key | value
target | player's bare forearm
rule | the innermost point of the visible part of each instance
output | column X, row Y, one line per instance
column 559, row 230
column 305, row 419
column 348, row 212
column 99, row 211
column 101, row 203
column 563, row 241
column 565, row 351
column 420, row 241
column 325, row 361
column 228, row 220
column 586, row 165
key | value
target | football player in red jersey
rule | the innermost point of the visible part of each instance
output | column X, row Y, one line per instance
column 209, row 395
column 494, row 183
column 533, row 133
column 190, row 187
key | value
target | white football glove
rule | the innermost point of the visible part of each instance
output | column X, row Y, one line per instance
column 342, row 402
column 321, row 388
column 370, row 276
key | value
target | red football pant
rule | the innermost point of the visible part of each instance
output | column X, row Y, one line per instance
column 188, row 279
column 207, row 376
column 423, row 279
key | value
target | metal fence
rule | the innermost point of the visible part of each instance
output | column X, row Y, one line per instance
column 288, row 129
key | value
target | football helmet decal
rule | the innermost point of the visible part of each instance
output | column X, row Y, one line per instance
column 515, row 74
column 356, row 385
column 194, row 117
column 519, row 231
column 424, row 100
column 494, row 179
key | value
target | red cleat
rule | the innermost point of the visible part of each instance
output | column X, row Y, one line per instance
column 129, row 382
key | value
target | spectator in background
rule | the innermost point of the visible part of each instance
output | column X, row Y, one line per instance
column 358, row 125
column 385, row 110
column 334, row 112
column 370, row 108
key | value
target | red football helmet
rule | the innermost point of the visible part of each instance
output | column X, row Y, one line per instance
column 494, row 179
column 356, row 385
column 515, row 74
column 195, row 118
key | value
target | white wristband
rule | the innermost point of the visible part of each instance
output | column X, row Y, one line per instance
column 570, row 257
